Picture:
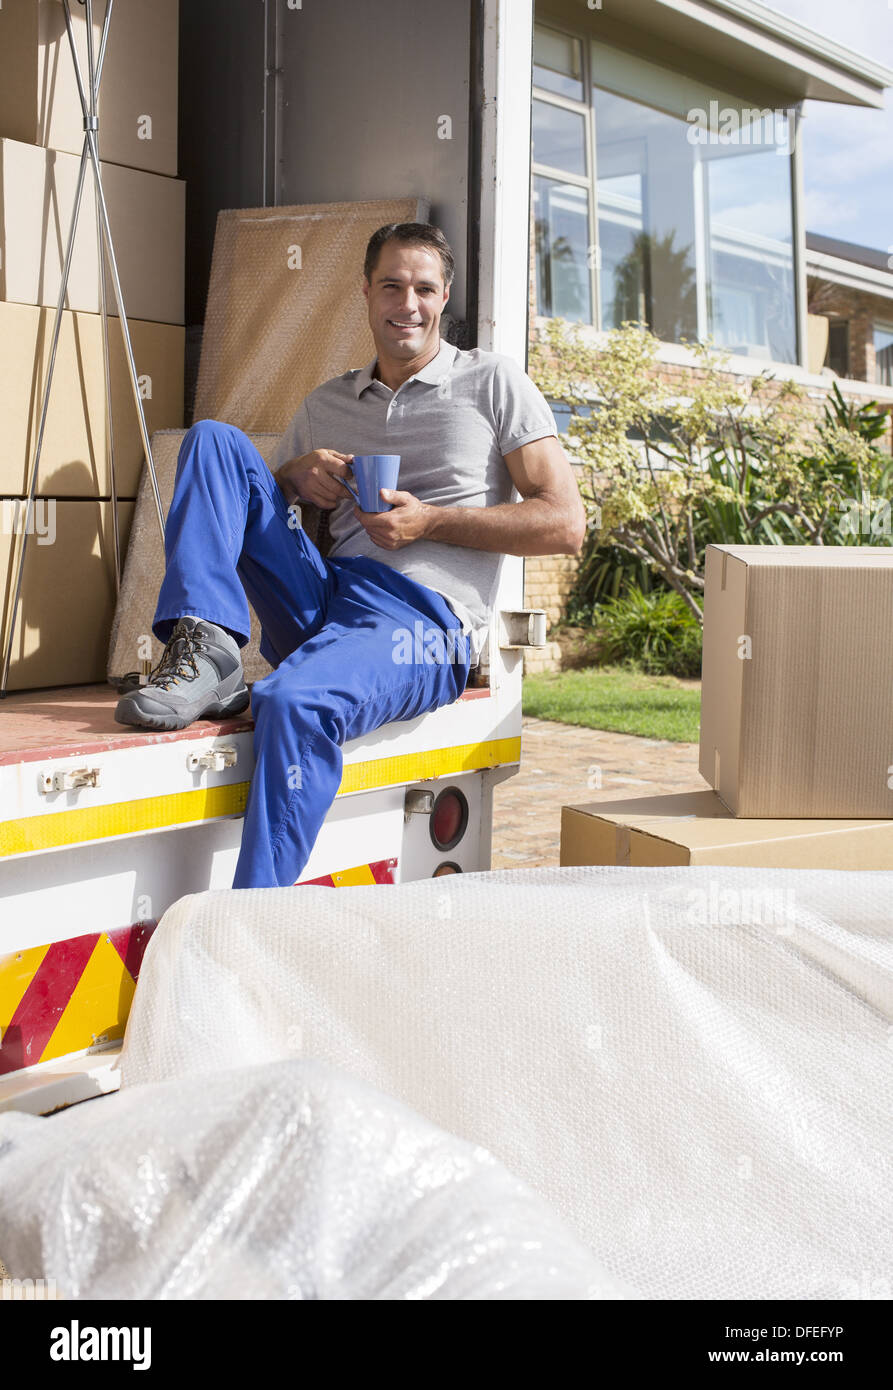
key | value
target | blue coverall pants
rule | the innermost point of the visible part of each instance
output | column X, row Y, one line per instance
column 334, row 630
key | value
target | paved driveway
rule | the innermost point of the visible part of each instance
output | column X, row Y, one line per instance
column 564, row 765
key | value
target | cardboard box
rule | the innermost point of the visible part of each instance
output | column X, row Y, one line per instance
column 797, row 688
column 147, row 218
column 73, row 458
column 68, row 590
column 39, row 103
column 695, row 828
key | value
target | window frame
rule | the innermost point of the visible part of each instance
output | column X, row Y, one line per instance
column 877, row 327
column 581, row 108
column 586, row 108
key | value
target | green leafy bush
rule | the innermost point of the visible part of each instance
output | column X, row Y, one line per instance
column 605, row 572
column 672, row 463
column 655, row 633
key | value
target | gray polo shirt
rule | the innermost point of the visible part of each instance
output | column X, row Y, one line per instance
column 451, row 424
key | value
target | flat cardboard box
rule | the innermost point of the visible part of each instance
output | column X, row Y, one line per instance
column 68, row 590
column 73, row 457
column 686, row 828
column 797, row 680
column 283, row 313
column 147, row 218
column 39, row 103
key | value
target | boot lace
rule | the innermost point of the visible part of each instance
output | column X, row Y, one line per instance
column 177, row 662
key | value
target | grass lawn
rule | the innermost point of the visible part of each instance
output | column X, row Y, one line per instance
column 609, row 697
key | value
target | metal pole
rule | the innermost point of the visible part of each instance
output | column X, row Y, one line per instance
column 128, row 346
column 103, row 308
column 91, row 125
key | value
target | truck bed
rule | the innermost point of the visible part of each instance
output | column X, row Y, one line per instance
column 80, row 719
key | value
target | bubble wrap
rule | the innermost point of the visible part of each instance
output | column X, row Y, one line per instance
column 284, row 310
column 289, row 1180
column 690, row 1065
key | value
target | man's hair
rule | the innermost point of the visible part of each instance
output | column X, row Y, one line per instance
column 410, row 234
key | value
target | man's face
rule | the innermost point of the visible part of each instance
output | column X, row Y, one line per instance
column 406, row 299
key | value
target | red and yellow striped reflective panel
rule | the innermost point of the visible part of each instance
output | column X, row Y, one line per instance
column 68, row 995
column 379, row 871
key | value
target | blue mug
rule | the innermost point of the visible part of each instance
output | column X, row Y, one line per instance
column 372, row 471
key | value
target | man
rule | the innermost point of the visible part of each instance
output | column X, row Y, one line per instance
column 468, row 427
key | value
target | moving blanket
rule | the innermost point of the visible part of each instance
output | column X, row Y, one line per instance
column 288, row 1180
column 692, row 1066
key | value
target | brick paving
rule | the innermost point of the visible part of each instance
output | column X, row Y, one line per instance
column 565, row 765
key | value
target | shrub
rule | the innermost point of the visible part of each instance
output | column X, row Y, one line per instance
column 657, row 633
column 670, row 467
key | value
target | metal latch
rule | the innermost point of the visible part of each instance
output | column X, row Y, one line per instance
column 522, row 627
column 65, row 780
column 214, row 760
column 417, row 801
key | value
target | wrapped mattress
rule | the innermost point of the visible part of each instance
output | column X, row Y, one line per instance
column 690, row 1067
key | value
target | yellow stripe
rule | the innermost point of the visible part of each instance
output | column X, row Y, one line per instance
column 351, row 878
column 99, row 1004
column 121, row 818
column 16, row 973
column 421, row 767
column 210, row 803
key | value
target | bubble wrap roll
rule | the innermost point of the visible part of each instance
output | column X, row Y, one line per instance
column 291, row 1180
column 690, row 1065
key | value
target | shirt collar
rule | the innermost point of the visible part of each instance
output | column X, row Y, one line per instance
column 433, row 372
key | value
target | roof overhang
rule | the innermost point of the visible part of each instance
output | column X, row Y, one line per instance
column 850, row 273
column 745, row 47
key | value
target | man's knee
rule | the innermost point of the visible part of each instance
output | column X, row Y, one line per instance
column 211, row 429
column 278, row 697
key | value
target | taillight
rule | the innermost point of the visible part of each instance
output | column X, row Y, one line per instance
column 449, row 818
column 446, row 868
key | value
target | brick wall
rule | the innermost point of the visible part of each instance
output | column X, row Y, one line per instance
column 861, row 311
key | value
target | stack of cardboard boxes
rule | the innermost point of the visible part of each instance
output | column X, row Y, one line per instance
column 68, row 589
column 796, row 723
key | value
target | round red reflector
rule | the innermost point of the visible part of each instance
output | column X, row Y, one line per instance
column 449, row 818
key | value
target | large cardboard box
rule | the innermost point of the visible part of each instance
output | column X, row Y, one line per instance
column 39, row 101
column 68, row 590
column 147, row 218
column 695, row 828
column 73, row 458
column 797, row 688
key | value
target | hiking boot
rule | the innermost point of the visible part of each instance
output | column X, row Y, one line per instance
column 199, row 676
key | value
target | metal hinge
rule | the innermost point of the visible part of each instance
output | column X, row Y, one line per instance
column 417, row 802
column 65, row 780
column 522, row 627
column 214, row 760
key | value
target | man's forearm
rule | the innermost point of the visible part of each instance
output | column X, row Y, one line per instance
column 530, row 527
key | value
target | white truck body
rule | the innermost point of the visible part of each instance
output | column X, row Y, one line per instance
column 102, row 829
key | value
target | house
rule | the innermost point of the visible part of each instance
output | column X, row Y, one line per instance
column 852, row 287
column 668, row 168
column 667, row 187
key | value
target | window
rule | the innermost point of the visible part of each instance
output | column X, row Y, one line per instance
column 689, row 192
column 561, row 184
column 838, row 355
column 883, row 354
column 557, row 63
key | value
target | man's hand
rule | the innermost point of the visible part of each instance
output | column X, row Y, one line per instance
column 407, row 521
column 311, row 478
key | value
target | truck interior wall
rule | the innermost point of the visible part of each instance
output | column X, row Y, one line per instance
column 374, row 102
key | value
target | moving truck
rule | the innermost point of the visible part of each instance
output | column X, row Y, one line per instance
column 102, row 828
